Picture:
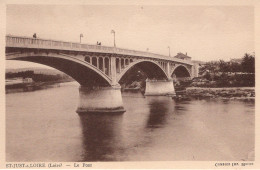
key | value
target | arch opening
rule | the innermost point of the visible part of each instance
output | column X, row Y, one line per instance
column 117, row 65
column 84, row 75
column 122, row 63
column 107, row 66
column 127, row 62
column 100, row 62
column 94, row 61
column 139, row 72
column 87, row 59
column 180, row 73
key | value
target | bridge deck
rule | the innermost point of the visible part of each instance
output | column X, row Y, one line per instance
column 28, row 42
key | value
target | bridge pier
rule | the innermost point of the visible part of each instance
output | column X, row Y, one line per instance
column 159, row 88
column 100, row 100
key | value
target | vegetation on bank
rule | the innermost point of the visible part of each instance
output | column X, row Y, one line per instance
column 134, row 79
column 38, row 77
column 235, row 93
column 29, row 80
column 234, row 73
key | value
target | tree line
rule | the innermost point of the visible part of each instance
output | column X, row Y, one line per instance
column 37, row 77
column 233, row 73
column 247, row 65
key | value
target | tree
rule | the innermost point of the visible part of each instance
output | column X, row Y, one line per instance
column 235, row 67
column 248, row 63
column 223, row 66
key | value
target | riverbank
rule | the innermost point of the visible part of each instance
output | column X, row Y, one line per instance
column 228, row 93
column 27, row 87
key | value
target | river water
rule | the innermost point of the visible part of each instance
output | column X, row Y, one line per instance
column 43, row 126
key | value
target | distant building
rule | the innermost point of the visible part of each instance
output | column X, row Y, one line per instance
column 182, row 56
column 11, row 81
column 18, row 80
column 27, row 80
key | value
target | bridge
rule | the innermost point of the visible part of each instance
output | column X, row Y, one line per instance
column 101, row 69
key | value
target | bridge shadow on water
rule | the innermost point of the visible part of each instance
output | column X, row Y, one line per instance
column 158, row 113
column 101, row 134
column 162, row 109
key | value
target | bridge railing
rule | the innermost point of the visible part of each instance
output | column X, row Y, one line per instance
column 28, row 42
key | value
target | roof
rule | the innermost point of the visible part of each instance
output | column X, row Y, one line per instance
column 181, row 55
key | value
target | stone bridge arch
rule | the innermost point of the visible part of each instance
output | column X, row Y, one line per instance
column 181, row 71
column 83, row 72
column 150, row 67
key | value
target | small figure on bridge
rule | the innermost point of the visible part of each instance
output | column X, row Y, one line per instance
column 34, row 35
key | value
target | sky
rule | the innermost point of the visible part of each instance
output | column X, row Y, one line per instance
column 205, row 32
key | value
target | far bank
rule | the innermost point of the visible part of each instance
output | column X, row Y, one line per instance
column 225, row 92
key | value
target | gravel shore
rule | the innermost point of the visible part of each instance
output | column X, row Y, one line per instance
column 230, row 93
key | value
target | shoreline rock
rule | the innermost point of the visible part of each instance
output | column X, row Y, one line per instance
column 224, row 93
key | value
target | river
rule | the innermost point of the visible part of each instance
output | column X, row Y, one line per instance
column 43, row 126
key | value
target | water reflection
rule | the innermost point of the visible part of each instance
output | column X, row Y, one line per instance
column 101, row 136
column 158, row 113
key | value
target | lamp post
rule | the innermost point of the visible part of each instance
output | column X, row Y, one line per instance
column 169, row 51
column 81, row 35
column 113, row 32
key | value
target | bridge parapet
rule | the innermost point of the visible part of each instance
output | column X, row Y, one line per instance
column 28, row 42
